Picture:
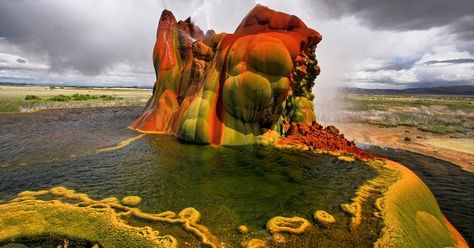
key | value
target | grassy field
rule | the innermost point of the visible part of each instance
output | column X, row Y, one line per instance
column 437, row 114
column 34, row 98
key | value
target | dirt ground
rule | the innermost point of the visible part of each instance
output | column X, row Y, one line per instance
column 442, row 146
column 7, row 90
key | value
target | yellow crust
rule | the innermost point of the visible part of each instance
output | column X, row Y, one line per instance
column 415, row 220
column 324, row 218
column 295, row 225
column 131, row 200
column 121, row 145
column 255, row 243
column 111, row 207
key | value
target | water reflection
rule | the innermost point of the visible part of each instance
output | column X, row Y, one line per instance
column 230, row 186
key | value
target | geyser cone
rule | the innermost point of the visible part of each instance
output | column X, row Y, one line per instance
column 229, row 88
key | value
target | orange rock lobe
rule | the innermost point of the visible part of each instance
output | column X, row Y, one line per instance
column 226, row 89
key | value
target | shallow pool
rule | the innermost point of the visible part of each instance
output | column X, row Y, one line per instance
column 230, row 186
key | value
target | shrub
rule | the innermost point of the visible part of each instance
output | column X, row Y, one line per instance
column 60, row 98
column 106, row 97
column 32, row 98
column 82, row 97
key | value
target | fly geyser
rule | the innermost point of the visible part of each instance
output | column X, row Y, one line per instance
column 227, row 89
column 254, row 86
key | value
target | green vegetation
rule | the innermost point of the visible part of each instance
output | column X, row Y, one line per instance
column 11, row 104
column 60, row 98
column 381, row 102
column 437, row 114
column 32, row 98
column 28, row 217
column 81, row 97
column 412, row 215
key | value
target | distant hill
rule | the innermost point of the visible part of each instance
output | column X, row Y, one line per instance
column 14, row 84
column 464, row 90
column 76, row 85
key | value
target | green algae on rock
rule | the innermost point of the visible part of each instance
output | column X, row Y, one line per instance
column 64, row 212
column 75, row 215
column 412, row 216
column 226, row 89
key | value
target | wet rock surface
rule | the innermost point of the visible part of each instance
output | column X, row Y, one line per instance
column 226, row 89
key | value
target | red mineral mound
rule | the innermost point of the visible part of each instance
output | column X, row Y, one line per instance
column 327, row 138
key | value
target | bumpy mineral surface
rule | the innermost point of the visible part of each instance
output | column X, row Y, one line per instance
column 226, row 89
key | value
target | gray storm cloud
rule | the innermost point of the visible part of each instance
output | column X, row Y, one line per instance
column 409, row 14
column 449, row 61
column 87, row 36
column 102, row 40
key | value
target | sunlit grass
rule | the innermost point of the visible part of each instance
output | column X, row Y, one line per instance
column 435, row 114
column 30, row 99
column 10, row 103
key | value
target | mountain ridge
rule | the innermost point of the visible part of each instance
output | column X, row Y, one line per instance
column 459, row 90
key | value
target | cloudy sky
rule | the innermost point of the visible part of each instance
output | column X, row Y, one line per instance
column 366, row 43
